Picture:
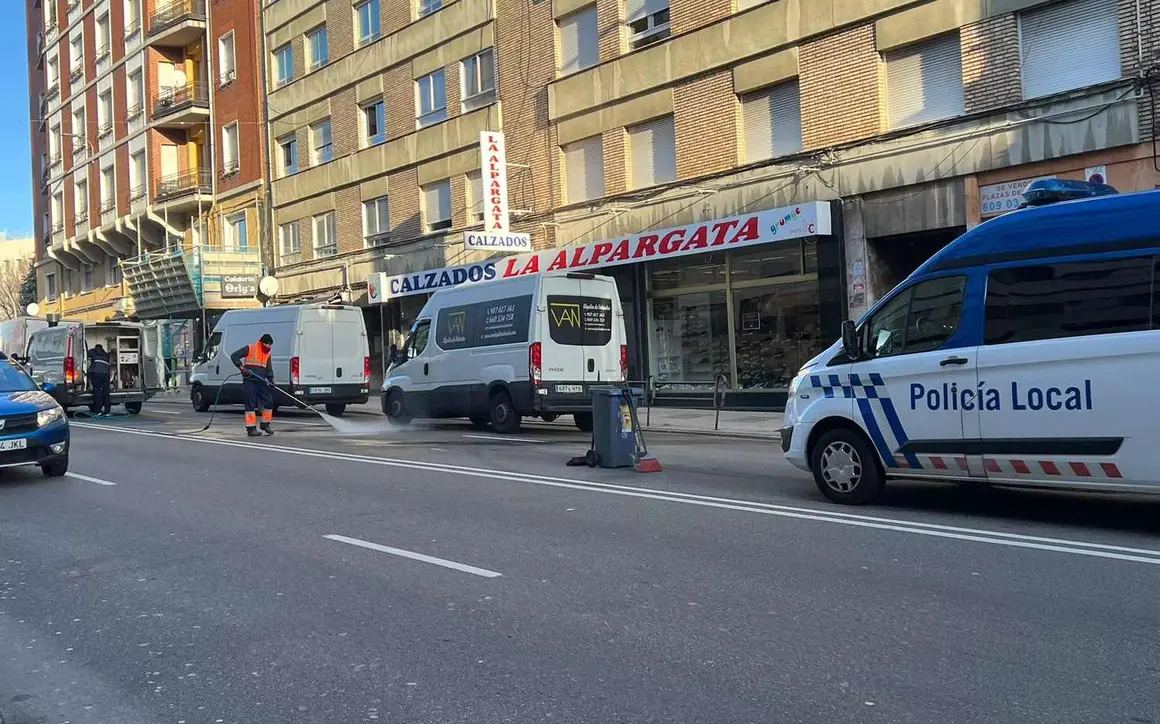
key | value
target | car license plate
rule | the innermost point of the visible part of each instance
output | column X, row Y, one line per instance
column 17, row 444
column 319, row 390
column 569, row 388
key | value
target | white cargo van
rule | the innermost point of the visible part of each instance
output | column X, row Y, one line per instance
column 320, row 356
column 495, row 352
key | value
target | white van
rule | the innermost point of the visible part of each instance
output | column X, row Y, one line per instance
column 320, row 356
column 495, row 352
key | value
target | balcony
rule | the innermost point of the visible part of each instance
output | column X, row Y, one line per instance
column 82, row 217
column 182, row 105
column 52, row 91
column 107, row 205
column 184, row 186
column 77, row 72
column 177, row 23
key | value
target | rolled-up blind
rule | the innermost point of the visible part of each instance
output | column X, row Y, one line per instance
column 584, row 169
column 634, row 9
column 772, row 122
column 924, row 82
column 1069, row 45
column 579, row 47
column 654, row 152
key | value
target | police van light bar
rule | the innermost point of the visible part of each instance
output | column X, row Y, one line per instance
column 1050, row 190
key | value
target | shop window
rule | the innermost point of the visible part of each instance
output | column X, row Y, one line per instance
column 1068, row 45
column 692, row 271
column 924, row 82
column 653, row 147
column 690, row 337
column 785, row 258
column 579, row 44
column 777, row 328
column 772, row 119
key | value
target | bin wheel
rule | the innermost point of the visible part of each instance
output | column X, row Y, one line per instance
column 592, row 458
column 583, row 421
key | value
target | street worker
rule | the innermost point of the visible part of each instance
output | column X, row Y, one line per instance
column 258, row 383
column 99, row 380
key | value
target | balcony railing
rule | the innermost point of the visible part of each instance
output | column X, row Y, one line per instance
column 137, row 192
column 52, row 91
column 107, row 205
column 186, row 182
column 105, row 129
column 229, row 168
column 76, row 73
column 82, row 217
column 175, row 12
column 177, row 98
column 133, row 111
column 103, row 52
column 57, row 227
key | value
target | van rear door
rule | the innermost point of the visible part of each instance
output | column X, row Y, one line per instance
column 579, row 347
column 348, row 340
column 315, row 350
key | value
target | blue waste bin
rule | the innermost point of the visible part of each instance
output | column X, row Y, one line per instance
column 613, row 434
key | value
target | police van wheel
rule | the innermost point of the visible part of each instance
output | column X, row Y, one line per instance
column 504, row 418
column 396, row 408
column 199, row 399
column 846, row 469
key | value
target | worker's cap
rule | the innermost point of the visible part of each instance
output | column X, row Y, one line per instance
column 266, row 339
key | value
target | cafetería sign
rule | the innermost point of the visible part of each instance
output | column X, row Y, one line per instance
column 791, row 222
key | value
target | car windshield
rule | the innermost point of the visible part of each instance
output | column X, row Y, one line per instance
column 14, row 379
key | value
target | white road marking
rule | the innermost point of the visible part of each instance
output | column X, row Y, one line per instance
column 163, row 412
column 1014, row 540
column 504, row 439
column 463, row 567
column 88, row 479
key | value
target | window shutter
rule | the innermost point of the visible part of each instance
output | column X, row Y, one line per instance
column 475, row 193
column 578, row 43
column 785, row 100
column 654, row 152
column 757, row 118
column 584, row 169
column 924, row 82
column 635, row 9
column 746, row 4
column 1069, row 45
column 437, row 201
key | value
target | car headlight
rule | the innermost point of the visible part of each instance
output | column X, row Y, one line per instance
column 49, row 416
column 794, row 385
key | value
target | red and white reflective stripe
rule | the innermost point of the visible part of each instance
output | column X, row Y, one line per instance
column 1052, row 468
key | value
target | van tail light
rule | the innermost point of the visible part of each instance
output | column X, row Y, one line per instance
column 70, row 370
column 366, row 370
column 294, row 371
column 535, row 363
column 623, row 362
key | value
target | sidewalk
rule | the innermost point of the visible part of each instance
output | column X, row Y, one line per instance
column 754, row 425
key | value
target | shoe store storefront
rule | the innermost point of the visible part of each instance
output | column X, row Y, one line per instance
column 750, row 298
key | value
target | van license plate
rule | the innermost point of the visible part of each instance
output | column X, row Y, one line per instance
column 17, row 444
column 320, row 390
column 570, row 388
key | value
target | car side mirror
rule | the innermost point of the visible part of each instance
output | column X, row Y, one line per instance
column 850, row 340
column 48, row 387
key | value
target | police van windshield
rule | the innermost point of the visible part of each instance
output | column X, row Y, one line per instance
column 13, row 379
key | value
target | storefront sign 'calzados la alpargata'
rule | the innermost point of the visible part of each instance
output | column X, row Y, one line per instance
column 801, row 220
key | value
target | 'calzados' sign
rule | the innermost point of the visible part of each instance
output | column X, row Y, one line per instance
column 792, row 222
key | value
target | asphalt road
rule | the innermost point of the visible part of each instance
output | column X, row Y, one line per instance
column 442, row 575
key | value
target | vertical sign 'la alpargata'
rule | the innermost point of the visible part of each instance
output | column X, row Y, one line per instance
column 493, row 155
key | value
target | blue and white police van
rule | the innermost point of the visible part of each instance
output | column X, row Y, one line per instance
column 1024, row 353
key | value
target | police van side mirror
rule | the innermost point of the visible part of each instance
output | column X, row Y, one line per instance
column 850, row 340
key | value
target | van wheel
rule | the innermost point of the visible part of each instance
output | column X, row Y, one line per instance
column 199, row 399
column 335, row 409
column 396, row 408
column 480, row 422
column 133, row 408
column 583, row 421
column 504, row 418
column 846, row 468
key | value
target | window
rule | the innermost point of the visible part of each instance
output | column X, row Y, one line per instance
column 49, row 16
column 57, row 211
column 648, row 21
column 112, row 272
column 437, row 206
column 374, row 127
column 105, row 113
column 237, row 238
column 54, row 144
column 1050, row 301
column 132, row 17
column 227, row 60
column 426, row 7
column 137, row 175
column 321, row 144
column 475, row 197
column 376, row 222
column 583, row 170
column 924, row 82
column 87, row 278
column 53, row 73
column 772, row 120
column 81, row 201
column 283, row 65
column 1068, row 45
column 367, row 21
column 50, row 286
column 918, row 319
column 432, row 98
column 288, row 240
column 579, row 47
column 479, row 80
column 136, row 93
column 416, row 342
column 288, row 156
column 76, row 48
column 69, row 282
column 230, row 162
column 78, row 130
column 653, row 147
column 102, row 32
column 108, row 188
column 746, row 4
column 317, row 49
column 325, row 235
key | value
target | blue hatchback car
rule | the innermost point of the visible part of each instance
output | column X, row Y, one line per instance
column 33, row 427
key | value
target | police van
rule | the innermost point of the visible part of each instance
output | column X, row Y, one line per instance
column 1024, row 353
column 496, row 352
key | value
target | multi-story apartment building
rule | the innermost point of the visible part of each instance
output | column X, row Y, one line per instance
column 148, row 163
column 751, row 171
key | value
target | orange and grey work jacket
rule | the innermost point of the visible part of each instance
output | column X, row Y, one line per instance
column 253, row 358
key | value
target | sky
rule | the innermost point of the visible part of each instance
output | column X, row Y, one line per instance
column 15, row 152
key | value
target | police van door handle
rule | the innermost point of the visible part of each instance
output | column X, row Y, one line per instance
column 953, row 361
